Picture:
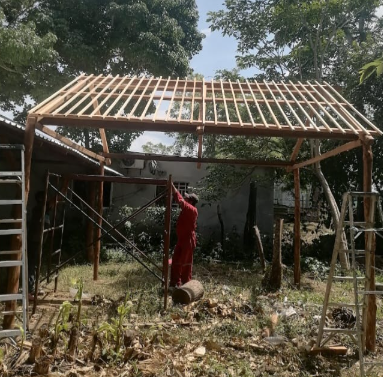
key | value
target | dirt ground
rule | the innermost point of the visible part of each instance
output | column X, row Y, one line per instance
column 232, row 331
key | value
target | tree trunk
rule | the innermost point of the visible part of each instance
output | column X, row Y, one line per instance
column 258, row 242
column 187, row 293
column 248, row 234
column 334, row 209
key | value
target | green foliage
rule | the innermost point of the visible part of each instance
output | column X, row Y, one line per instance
column 370, row 68
column 159, row 148
column 62, row 323
column 114, row 330
column 46, row 43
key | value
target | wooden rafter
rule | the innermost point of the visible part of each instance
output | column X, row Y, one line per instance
column 70, row 143
column 249, row 108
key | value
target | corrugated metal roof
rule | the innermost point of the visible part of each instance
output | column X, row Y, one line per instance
column 8, row 122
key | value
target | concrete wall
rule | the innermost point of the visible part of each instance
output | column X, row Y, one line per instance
column 233, row 206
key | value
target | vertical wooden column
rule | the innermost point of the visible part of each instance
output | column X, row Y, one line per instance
column 29, row 138
column 52, row 234
column 370, row 312
column 89, row 224
column 168, row 218
column 40, row 245
column 99, row 206
column 297, row 229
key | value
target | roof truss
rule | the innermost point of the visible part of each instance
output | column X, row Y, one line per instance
column 311, row 110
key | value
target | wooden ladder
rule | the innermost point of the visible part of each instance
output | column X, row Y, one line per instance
column 353, row 229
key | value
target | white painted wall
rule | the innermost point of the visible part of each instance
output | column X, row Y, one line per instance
column 233, row 206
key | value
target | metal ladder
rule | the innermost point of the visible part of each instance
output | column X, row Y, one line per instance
column 355, row 229
column 14, row 179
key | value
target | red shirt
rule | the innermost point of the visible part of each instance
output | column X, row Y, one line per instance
column 187, row 220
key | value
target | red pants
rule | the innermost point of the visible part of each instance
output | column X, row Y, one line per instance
column 182, row 263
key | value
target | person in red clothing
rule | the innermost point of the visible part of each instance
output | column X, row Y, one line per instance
column 182, row 261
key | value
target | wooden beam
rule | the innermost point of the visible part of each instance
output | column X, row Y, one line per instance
column 70, row 143
column 369, row 314
column 297, row 147
column 100, row 203
column 334, row 152
column 167, row 229
column 89, row 224
column 230, row 161
column 297, row 229
column 221, row 128
column 128, row 180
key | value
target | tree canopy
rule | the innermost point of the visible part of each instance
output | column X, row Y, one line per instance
column 44, row 44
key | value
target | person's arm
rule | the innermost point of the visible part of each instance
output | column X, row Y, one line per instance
column 178, row 197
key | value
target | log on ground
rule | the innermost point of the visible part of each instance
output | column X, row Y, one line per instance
column 189, row 292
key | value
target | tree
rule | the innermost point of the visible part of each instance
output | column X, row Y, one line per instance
column 24, row 53
column 61, row 39
column 159, row 148
column 301, row 40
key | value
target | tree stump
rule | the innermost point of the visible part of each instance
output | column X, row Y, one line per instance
column 42, row 365
column 273, row 277
column 73, row 341
column 35, row 351
column 187, row 293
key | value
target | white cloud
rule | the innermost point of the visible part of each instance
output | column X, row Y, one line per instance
column 379, row 12
column 154, row 137
column 207, row 32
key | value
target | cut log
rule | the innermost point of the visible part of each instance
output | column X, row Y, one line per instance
column 187, row 293
column 331, row 350
column 35, row 352
column 258, row 243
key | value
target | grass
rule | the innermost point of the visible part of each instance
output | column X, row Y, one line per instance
column 228, row 322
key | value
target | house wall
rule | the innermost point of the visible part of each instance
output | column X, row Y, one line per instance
column 233, row 206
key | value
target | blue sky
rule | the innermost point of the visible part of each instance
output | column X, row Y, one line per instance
column 218, row 52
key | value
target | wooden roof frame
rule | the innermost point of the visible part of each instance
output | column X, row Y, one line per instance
column 292, row 110
column 260, row 109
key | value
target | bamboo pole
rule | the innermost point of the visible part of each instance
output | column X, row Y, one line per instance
column 99, row 205
column 168, row 217
column 297, row 230
column 89, row 224
column 370, row 312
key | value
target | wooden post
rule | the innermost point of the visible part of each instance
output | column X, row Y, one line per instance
column 97, row 246
column 64, row 190
column 89, row 224
column 297, row 230
column 40, row 244
column 369, row 315
column 52, row 235
column 29, row 138
column 168, row 218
